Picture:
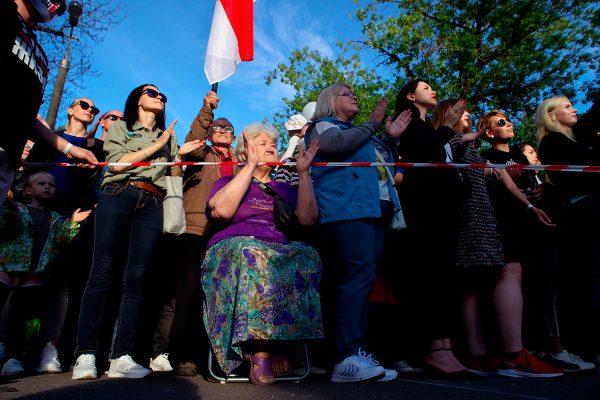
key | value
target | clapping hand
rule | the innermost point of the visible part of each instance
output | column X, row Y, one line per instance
column 168, row 133
column 397, row 128
column 454, row 113
column 379, row 112
column 79, row 216
column 249, row 152
column 190, row 146
column 305, row 157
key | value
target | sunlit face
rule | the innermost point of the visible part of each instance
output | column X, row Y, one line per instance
column 152, row 104
column 465, row 119
column 83, row 111
column 218, row 133
column 109, row 117
column 423, row 96
column 500, row 129
column 565, row 114
column 42, row 187
column 346, row 104
column 531, row 155
column 266, row 149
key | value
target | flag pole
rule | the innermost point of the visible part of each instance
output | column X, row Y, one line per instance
column 215, row 87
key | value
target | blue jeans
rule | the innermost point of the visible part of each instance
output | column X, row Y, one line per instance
column 128, row 227
column 359, row 244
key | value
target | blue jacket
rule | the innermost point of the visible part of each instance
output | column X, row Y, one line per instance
column 345, row 193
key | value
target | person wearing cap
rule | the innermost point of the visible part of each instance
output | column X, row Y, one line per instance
column 24, row 67
column 296, row 126
column 197, row 182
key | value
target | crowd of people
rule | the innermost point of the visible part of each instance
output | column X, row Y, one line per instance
column 477, row 265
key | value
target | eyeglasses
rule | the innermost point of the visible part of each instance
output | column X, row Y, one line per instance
column 502, row 122
column 112, row 117
column 347, row 93
column 85, row 105
column 219, row 129
column 154, row 94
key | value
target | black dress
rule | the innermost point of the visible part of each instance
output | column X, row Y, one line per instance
column 478, row 238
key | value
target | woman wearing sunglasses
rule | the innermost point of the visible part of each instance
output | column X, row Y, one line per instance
column 130, row 209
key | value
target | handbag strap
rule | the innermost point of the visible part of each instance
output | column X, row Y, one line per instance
column 270, row 191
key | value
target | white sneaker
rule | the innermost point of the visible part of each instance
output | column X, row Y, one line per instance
column 573, row 360
column 85, row 367
column 49, row 363
column 125, row 367
column 161, row 363
column 12, row 367
column 390, row 375
column 357, row 368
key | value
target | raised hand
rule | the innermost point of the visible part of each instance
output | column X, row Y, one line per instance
column 397, row 128
column 168, row 133
column 454, row 113
column 190, row 146
column 211, row 100
column 249, row 152
column 305, row 157
column 79, row 215
column 379, row 112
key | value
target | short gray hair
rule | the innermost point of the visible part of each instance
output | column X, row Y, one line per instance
column 326, row 101
column 252, row 131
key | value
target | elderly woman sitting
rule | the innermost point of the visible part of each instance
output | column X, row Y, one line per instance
column 259, row 285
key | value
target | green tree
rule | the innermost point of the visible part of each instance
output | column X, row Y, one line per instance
column 501, row 54
column 309, row 72
column 98, row 18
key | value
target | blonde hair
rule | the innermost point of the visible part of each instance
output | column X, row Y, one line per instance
column 544, row 122
column 484, row 122
column 252, row 131
column 326, row 101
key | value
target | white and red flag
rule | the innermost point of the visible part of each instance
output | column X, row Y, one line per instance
column 231, row 39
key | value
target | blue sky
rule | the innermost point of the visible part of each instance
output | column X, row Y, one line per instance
column 164, row 42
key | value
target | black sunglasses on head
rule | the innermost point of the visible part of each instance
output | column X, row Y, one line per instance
column 112, row 117
column 154, row 94
column 502, row 122
column 85, row 105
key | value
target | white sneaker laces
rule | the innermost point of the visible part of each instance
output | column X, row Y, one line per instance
column 367, row 360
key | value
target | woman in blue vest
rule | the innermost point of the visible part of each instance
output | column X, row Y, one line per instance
column 355, row 205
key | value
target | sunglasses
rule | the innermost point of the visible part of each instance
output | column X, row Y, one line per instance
column 219, row 129
column 112, row 117
column 347, row 93
column 502, row 122
column 85, row 105
column 154, row 94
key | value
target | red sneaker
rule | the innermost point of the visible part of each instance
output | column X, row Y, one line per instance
column 486, row 367
column 526, row 365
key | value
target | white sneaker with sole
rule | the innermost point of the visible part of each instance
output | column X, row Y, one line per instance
column 85, row 367
column 12, row 367
column 161, row 363
column 575, row 361
column 49, row 363
column 358, row 367
column 125, row 367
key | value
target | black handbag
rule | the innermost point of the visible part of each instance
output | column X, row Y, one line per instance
column 286, row 220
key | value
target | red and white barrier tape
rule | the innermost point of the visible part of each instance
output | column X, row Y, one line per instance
column 554, row 167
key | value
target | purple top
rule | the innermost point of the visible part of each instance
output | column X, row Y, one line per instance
column 254, row 217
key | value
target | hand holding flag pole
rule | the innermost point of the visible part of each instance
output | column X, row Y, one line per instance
column 231, row 39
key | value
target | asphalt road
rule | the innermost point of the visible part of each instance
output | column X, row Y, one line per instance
column 61, row 387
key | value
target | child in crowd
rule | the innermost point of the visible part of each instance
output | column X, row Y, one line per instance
column 25, row 259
